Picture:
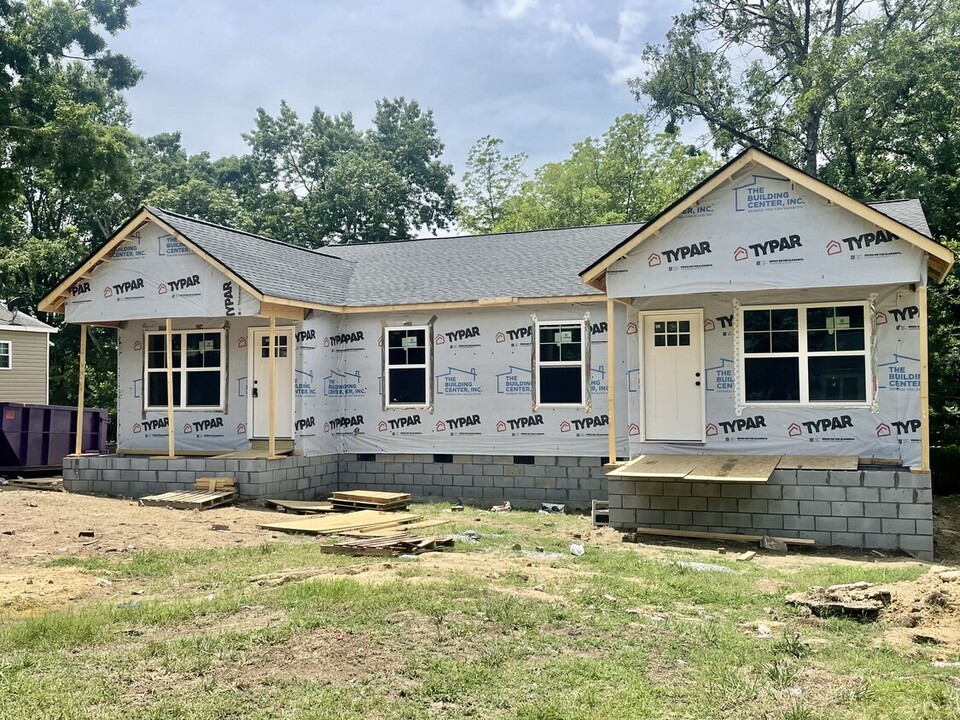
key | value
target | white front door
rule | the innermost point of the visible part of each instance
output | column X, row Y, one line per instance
column 673, row 382
column 259, row 389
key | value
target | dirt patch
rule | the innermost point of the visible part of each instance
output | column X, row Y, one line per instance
column 39, row 526
column 921, row 613
column 37, row 589
column 946, row 528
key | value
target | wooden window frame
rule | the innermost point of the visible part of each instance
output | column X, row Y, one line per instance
column 184, row 371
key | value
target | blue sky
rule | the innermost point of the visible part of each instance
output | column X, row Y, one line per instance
column 541, row 74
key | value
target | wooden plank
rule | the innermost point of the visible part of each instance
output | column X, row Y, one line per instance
column 80, row 390
column 191, row 500
column 717, row 536
column 395, row 530
column 272, row 410
column 734, row 468
column 924, row 383
column 303, row 506
column 818, row 462
column 611, row 386
column 657, row 466
column 369, row 495
column 168, row 341
column 337, row 523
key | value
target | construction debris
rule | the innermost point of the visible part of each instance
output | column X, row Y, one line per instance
column 369, row 500
column 397, row 546
column 300, row 507
column 505, row 507
column 747, row 556
column 861, row 600
column 341, row 523
column 772, row 543
column 210, row 492
column 55, row 484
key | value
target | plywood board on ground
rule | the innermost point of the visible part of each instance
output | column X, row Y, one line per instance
column 300, row 506
column 657, row 466
column 329, row 524
column 817, row 462
column 734, row 468
column 700, row 534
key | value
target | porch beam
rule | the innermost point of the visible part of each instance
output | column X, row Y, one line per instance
column 78, row 448
column 272, row 395
column 924, row 383
column 611, row 384
column 288, row 312
column 168, row 344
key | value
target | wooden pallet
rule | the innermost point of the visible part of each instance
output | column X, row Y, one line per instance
column 370, row 500
column 209, row 493
column 55, row 484
column 389, row 546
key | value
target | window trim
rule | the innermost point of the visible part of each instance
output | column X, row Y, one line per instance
column 427, row 367
column 9, row 344
column 538, row 362
column 803, row 355
column 183, row 370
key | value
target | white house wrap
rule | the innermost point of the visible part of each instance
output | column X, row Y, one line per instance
column 765, row 313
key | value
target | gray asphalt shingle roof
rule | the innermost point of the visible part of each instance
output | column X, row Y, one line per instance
column 908, row 212
column 537, row 263
column 272, row 267
column 9, row 319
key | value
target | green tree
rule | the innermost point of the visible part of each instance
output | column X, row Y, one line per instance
column 343, row 185
column 489, row 180
column 65, row 150
column 627, row 176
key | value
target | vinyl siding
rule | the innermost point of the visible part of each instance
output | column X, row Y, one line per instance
column 26, row 381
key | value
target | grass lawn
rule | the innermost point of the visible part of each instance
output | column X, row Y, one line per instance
column 483, row 631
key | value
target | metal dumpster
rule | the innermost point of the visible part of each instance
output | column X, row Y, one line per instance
column 37, row 437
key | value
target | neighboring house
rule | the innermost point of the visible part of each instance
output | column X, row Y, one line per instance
column 763, row 314
column 24, row 357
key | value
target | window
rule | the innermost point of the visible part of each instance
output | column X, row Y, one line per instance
column 560, row 363
column 198, row 361
column 669, row 333
column 805, row 355
column 407, row 367
column 6, row 355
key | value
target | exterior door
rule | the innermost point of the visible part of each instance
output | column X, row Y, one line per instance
column 259, row 389
column 673, row 382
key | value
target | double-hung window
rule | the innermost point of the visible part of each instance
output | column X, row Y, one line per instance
column 407, row 366
column 198, row 370
column 6, row 355
column 561, row 363
column 806, row 354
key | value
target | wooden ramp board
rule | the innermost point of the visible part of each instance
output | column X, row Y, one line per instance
column 37, row 483
column 300, row 506
column 191, row 500
column 657, row 466
column 331, row 524
column 734, row 468
column 818, row 462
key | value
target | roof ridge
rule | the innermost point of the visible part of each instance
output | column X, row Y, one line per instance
column 484, row 235
column 208, row 223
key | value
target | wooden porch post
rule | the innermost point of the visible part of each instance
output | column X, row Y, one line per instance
column 272, row 441
column 611, row 384
column 924, row 384
column 168, row 344
column 80, row 390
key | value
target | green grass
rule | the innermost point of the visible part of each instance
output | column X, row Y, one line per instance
column 202, row 641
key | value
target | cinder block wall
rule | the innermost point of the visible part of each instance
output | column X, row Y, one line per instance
column 882, row 509
column 479, row 479
column 288, row 477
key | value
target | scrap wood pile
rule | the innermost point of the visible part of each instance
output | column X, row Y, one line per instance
column 55, row 483
column 925, row 611
column 389, row 546
column 373, row 532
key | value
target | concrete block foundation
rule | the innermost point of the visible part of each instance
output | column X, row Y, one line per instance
column 876, row 509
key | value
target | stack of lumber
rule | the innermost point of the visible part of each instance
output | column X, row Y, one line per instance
column 210, row 492
column 370, row 500
column 342, row 523
column 300, row 507
column 389, row 546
